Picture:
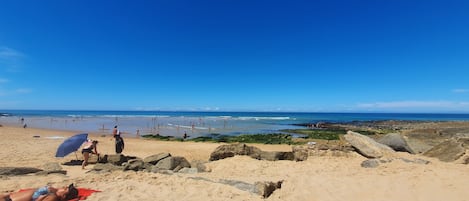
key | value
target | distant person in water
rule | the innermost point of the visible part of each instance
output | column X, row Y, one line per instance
column 119, row 141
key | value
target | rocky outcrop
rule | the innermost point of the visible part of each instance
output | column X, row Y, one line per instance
column 367, row 146
column 447, row 151
column 230, row 150
column 155, row 163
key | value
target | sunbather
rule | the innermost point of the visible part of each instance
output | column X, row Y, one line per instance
column 40, row 194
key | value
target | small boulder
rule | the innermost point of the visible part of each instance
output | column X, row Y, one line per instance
column 266, row 188
column 173, row 163
column 370, row 163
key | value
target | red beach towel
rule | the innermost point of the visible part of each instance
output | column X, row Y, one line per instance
column 83, row 193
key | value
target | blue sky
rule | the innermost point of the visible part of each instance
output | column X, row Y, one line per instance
column 311, row 56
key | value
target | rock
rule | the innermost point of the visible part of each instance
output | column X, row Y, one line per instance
column 396, row 142
column 134, row 164
column 276, row 155
column 464, row 141
column 367, row 146
column 173, row 163
column 416, row 161
column 466, row 160
column 200, row 165
column 225, row 151
column 300, row 155
column 153, row 159
column 266, row 188
column 370, row 163
column 189, row 170
column 180, row 162
column 417, row 146
column 262, row 188
column 116, row 159
column 166, row 164
column 447, row 151
column 14, row 171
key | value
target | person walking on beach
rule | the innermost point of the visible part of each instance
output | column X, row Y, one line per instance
column 119, row 141
column 89, row 148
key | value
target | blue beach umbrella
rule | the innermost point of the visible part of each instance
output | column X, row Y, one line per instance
column 71, row 144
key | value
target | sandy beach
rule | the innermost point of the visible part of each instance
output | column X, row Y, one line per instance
column 322, row 177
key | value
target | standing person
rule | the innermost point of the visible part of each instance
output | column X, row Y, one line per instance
column 89, row 148
column 119, row 141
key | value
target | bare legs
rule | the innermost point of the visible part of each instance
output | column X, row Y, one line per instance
column 86, row 156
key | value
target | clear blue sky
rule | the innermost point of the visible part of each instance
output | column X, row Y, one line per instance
column 225, row 55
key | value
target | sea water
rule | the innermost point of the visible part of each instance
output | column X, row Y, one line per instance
column 194, row 124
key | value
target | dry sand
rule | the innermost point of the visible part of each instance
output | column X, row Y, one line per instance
column 321, row 178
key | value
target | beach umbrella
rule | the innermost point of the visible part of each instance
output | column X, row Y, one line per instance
column 71, row 144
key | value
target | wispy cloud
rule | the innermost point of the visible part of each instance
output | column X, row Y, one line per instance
column 4, row 92
column 23, row 91
column 460, row 90
column 10, row 58
column 8, row 53
column 417, row 105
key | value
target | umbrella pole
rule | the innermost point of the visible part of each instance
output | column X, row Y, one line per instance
column 76, row 155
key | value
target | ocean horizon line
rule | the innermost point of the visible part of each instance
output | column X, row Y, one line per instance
column 237, row 111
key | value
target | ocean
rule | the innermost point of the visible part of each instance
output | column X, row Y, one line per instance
column 194, row 124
